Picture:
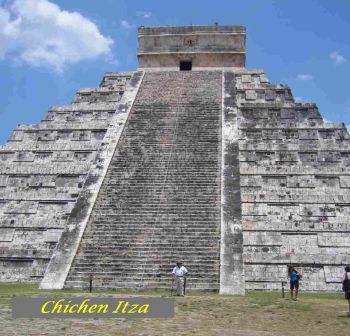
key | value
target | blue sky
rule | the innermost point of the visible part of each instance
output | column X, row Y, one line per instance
column 50, row 49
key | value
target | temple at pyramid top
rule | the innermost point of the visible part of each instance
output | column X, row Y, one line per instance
column 192, row 47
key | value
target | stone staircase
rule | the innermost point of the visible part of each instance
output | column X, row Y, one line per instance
column 160, row 200
column 43, row 168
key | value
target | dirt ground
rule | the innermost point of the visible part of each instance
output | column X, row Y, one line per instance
column 256, row 314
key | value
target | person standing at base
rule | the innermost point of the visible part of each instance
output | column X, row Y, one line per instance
column 179, row 275
column 346, row 285
column 294, row 277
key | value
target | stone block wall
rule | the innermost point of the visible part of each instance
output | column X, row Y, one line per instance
column 42, row 171
column 205, row 46
column 294, row 188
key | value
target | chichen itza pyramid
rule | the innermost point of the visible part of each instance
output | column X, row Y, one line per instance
column 191, row 157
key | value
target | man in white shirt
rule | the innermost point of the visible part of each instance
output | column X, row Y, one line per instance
column 179, row 274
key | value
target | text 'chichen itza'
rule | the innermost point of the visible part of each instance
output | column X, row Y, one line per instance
column 192, row 157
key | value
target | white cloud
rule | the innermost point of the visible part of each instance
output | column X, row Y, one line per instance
column 145, row 15
column 305, row 77
column 337, row 58
column 125, row 24
column 39, row 33
column 298, row 99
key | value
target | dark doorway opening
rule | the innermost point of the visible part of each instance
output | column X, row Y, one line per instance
column 185, row 65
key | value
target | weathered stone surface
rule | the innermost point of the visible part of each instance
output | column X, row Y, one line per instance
column 159, row 202
column 60, row 263
column 6, row 235
column 217, row 167
column 42, row 171
column 294, row 180
column 231, row 249
column 204, row 46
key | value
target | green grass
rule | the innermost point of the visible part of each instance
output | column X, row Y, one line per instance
column 258, row 313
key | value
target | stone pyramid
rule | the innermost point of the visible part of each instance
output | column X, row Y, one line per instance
column 192, row 157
